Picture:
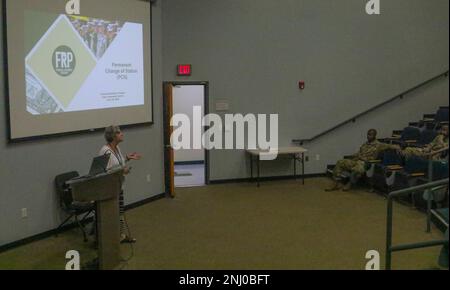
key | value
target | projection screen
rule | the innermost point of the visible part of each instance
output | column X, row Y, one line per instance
column 70, row 73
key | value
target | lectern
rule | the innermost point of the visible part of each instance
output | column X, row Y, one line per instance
column 104, row 189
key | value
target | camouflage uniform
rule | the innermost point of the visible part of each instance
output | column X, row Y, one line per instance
column 440, row 142
column 357, row 164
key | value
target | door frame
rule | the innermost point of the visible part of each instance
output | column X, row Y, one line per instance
column 167, row 114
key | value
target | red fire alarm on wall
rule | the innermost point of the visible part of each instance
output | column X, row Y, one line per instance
column 301, row 85
column 184, row 70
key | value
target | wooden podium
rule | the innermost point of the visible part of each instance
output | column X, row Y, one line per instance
column 104, row 189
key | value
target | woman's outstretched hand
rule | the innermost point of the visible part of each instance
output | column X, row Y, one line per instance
column 134, row 156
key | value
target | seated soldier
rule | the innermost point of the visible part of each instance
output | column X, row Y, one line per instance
column 439, row 143
column 357, row 163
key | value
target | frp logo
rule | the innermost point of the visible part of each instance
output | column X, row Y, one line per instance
column 374, row 260
column 373, row 7
column 63, row 61
column 74, row 260
column 73, row 7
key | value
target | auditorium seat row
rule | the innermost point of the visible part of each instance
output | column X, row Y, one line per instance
column 391, row 171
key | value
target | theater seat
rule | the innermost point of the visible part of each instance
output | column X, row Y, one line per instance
column 381, row 174
column 439, row 119
column 426, row 137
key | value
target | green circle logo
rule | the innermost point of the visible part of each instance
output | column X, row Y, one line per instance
column 64, row 61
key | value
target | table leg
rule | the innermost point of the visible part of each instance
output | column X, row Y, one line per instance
column 295, row 166
column 251, row 167
column 258, row 164
column 303, row 168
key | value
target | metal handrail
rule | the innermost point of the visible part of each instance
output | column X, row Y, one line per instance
column 430, row 162
column 353, row 119
column 430, row 179
column 398, row 193
column 431, row 194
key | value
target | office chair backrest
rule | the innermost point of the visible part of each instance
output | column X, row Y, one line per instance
column 62, row 188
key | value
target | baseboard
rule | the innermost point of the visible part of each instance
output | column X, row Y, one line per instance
column 145, row 201
column 198, row 162
column 67, row 227
column 266, row 178
column 41, row 236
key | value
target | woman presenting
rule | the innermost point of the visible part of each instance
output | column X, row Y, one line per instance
column 113, row 137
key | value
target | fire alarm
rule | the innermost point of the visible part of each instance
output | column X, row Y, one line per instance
column 301, row 85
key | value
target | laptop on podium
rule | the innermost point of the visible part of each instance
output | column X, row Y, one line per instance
column 99, row 165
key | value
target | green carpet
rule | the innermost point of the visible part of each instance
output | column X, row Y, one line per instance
column 281, row 225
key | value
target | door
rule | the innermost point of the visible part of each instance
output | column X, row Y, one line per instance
column 168, row 151
column 184, row 167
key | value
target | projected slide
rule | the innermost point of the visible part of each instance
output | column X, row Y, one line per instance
column 82, row 64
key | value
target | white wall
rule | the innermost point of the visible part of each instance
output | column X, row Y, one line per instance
column 254, row 52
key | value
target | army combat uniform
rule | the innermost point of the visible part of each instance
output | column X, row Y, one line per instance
column 357, row 164
column 440, row 142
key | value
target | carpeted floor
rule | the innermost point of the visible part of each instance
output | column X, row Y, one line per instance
column 282, row 225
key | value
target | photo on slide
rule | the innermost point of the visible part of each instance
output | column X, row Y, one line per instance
column 98, row 34
column 39, row 100
column 79, row 63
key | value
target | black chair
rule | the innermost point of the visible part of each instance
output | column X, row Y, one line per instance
column 73, row 208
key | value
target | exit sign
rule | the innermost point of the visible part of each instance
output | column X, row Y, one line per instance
column 184, row 69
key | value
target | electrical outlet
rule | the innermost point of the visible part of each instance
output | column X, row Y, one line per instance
column 317, row 157
column 24, row 213
column 149, row 178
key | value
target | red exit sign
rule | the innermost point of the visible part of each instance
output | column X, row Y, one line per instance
column 184, row 69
